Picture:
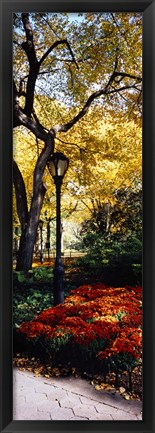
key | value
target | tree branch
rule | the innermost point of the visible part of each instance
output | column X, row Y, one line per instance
column 37, row 121
column 29, row 49
column 47, row 22
column 34, row 64
column 105, row 91
column 54, row 45
column 125, row 75
column 72, row 144
column 20, row 118
column 28, row 46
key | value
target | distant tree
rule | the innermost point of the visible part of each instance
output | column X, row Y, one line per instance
column 116, row 220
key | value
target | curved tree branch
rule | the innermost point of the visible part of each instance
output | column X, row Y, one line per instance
column 29, row 49
column 54, row 45
column 28, row 46
column 34, row 64
column 106, row 91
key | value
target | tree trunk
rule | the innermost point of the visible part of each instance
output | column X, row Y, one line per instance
column 25, row 253
column 29, row 223
column 29, row 234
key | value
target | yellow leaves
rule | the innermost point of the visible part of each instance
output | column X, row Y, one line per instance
column 126, row 396
column 105, row 387
column 121, row 390
column 109, row 318
column 38, row 371
column 43, row 369
column 111, row 388
column 103, row 151
column 123, row 393
column 56, row 372
column 98, row 387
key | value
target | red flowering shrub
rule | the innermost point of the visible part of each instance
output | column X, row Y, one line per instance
column 102, row 322
column 126, row 342
column 35, row 329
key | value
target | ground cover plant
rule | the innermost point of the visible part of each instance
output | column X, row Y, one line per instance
column 33, row 291
column 97, row 330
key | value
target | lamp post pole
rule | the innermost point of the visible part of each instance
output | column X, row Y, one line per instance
column 16, row 242
column 58, row 165
column 41, row 241
column 58, row 269
column 48, row 238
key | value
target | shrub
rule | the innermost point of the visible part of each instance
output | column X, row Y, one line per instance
column 28, row 303
column 96, row 323
column 38, row 274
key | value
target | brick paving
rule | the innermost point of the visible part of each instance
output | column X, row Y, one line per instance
column 40, row 398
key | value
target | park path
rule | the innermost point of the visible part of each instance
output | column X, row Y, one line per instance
column 61, row 398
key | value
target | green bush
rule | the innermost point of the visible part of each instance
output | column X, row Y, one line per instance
column 38, row 274
column 28, row 303
column 118, row 261
column 113, row 251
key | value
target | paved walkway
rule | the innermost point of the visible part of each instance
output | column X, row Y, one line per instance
column 38, row 398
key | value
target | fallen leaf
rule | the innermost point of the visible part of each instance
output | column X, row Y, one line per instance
column 126, row 396
column 55, row 370
column 122, row 389
column 38, row 370
column 97, row 387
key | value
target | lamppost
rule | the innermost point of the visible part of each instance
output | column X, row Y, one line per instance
column 48, row 237
column 41, row 240
column 16, row 242
column 58, row 165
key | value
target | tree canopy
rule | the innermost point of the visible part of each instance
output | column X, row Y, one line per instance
column 78, row 75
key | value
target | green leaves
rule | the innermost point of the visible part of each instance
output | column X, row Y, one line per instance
column 41, row 273
column 21, row 277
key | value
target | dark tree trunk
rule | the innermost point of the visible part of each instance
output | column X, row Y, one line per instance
column 25, row 253
column 29, row 220
column 28, row 237
column 21, row 199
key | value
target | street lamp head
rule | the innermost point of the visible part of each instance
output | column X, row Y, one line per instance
column 58, row 165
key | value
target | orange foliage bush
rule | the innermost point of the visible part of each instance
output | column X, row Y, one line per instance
column 106, row 321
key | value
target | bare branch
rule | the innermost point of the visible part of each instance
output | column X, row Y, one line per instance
column 47, row 22
column 37, row 144
column 15, row 94
column 106, row 91
column 71, row 211
column 16, row 43
column 118, row 27
column 28, row 46
column 29, row 49
column 88, row 207
column 34, row 64
column 72, row 144
column 37, row 120
column 54, row 45
column 22, row 119
column 125, row 75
